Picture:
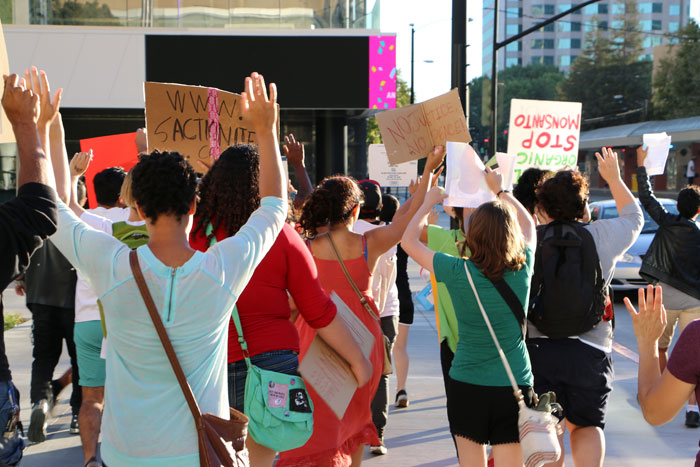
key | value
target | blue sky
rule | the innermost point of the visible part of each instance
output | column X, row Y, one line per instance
column 433, row 22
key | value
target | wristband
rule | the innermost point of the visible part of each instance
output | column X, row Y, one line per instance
column 502, row 191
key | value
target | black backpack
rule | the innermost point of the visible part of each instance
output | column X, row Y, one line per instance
column 567, row 296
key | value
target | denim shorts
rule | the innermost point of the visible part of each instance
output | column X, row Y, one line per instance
column 281, row 361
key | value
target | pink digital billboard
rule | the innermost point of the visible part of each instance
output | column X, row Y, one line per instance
column 382, row 72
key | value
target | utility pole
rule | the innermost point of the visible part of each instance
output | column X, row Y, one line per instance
column 459, row 50
column 413, row 35
column 493, row 140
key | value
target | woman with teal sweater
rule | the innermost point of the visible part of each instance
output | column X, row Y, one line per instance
column 480, row 403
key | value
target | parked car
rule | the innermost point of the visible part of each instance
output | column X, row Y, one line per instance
column 626, row 276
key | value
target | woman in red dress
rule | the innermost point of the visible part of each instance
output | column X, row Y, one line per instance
column 331, row 211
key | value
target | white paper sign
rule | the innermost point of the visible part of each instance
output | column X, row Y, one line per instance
column 506, row 167
column 465, row 182
column 544, row 134
column 658, row 145
column 381, row 171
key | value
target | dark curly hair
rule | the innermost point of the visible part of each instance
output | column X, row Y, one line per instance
column 689, row 201
column 390, row 204
column 163, row 183
column 528, row 182
column 331, row 203
column 229, row 191
column 564, row 195
column 108, row 185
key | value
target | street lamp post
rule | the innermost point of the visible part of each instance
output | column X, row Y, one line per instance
column 413, row 34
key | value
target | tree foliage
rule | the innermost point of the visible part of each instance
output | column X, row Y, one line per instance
column 609, row 77
column 403, row 98
column 72, row 12
column 677, row 81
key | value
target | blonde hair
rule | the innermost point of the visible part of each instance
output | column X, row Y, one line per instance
column 126, row 194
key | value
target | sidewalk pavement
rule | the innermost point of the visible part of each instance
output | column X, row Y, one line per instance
column 417, row 435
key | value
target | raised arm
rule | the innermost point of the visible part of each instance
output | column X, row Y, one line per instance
column 410, row 241
column 59, row 159
column 661, row 395
column 39, row 84
column 383, row 238
column 646, row 194
column 78, row 165
column 294, row 150
column 261, row 112
column 527, row 224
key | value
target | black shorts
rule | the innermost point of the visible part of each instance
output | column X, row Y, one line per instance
column 484, row 414
column 580, row 375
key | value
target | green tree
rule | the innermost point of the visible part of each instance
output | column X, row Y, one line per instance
column 609, row 77
column 77, row 13
column 677, row 82
column 403, row 98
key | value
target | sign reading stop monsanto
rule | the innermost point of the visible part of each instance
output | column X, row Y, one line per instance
column 544, row 134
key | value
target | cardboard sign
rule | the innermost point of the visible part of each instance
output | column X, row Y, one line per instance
column 108, row 151
column 465, row 182
column 544, row 134
column 326, row 371
column 193, row 120
column 386, row 174
column 410, row 133
column 658, row 145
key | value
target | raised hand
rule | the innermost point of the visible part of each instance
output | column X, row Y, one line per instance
column 141, row 140
column 433, row 216
column 413, row 185
column 494, row 180
column 435, row 158
column 435, row 196
column 38, row 82
column 294, row 151
column 649, row 323
column 436, row 176
column 80, row 163
column 20, row 103
column 258, row 109
column 608, row 166
column 641, row 155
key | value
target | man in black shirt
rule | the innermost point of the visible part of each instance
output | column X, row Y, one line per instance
column 24, row 223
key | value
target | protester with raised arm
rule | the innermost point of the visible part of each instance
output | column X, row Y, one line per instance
column 673, row 262
column 570, row 319
column 146, row 420
column 25, row 222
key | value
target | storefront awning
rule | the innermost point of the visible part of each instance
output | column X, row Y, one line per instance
column 682, row 130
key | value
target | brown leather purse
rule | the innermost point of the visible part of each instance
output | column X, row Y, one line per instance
column 221, row 442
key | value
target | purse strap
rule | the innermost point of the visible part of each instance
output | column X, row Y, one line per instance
column 512, row 301
column 516, row 390
column 362, row 298
column 164, row 339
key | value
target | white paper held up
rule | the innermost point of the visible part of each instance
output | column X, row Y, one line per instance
column 386, row 174
column 465, row 182
column 658, row 145
column 506, row 167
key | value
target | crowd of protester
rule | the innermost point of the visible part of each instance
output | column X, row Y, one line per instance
column 246, row 281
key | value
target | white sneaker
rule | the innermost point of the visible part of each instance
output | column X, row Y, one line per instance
column 378, row 450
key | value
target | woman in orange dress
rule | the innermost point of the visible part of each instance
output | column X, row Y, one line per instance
column 331, row 211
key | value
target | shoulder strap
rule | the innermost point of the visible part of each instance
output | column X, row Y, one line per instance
column 362, row 298
column 165, row 340
column 364, row 245
column 512, row 300
column 516, row 390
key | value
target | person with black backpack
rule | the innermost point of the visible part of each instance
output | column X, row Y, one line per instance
column 570, row 316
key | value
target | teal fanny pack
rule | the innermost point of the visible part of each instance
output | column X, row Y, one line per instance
column 278, row 405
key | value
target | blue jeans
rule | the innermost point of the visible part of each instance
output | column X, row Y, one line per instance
column 281, row 361
column 11, row 444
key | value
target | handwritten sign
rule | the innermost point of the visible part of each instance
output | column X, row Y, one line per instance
column 658, row 145
column 386, row 174
column 466, row 180
column 108, row 151
column 544, row 134
column 326, row 371
column 409, row 133
column 193, row 120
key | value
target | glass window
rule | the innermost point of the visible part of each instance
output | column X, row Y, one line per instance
column 575, row 43
column 537, row 9
column 516, row 46
column 565, row 60
column 488, row 49
column 657, row 7
column 488, row 34
column 549, row 9
column 513, row 12
column 549, row 28
column 652, row 41
column 645, row 24
column 488, row 17
column 603, row 25
column 542, row 43
column 512, row 29
column 617, row 24
column 548, row 60
column 674, row 10
column 603, row 8
column 512, row 61
column 644, row 7
column 575, row 26
column 656, row 25
column 564, row 26
column 564, row 44
column 536, row 59
column 590, row 10
column 673, row 26
column 618, row 8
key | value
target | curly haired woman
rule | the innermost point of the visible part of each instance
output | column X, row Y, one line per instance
column 329, row 215
column 229, row 195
